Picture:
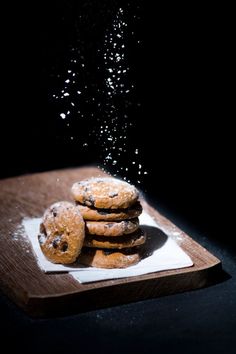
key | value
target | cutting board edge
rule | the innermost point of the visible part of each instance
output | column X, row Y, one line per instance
column 54, row 306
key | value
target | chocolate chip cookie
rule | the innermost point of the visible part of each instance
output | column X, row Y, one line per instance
column 90, row 213
column 105, row 193
column 62, row 233
column 109, row 258
column 137, row 238
column 111, row 228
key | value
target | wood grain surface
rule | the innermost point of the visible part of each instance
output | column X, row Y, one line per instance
column 42, row 294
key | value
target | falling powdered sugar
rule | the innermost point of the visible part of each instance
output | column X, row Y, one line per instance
column 106, row 102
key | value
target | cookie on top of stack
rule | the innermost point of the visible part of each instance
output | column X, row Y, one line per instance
column 110, row 209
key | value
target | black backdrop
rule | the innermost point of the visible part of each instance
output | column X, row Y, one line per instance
column 183, row 79
column 181, row 73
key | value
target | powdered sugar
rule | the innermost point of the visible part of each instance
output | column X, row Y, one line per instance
column 19, row 232
column 104, row 104
column 19, row 235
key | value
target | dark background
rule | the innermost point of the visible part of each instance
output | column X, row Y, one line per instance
column 181, row 106
column 181, row 109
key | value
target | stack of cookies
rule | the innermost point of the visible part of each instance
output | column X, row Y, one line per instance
column 110, row 209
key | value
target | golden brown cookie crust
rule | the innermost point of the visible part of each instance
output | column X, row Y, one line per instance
column 105, row 193
column 109, row 259
column 62, row 233
column 111, row 228
column 90, row 213
column 119, row 242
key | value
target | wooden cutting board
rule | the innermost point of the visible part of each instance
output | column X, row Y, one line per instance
column 42, row 294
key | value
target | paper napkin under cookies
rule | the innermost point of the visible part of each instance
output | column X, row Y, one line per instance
column 166, row 254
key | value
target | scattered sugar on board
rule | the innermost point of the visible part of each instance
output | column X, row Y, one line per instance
column 19, row 234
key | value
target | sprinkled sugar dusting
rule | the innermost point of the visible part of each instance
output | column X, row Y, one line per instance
column 110, row 186
column 105, row 105
column 19, row 235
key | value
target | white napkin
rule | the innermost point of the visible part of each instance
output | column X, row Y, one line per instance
column 166, row 254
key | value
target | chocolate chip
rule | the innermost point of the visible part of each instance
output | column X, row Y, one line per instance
column 42, row 229
column 54, row 212
column 102, row 212
column 64, row 246
column 113, row 195
column 55, row 244
column 90, row 200
column 56, row 241
column 107, row 252
column 109, row 225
